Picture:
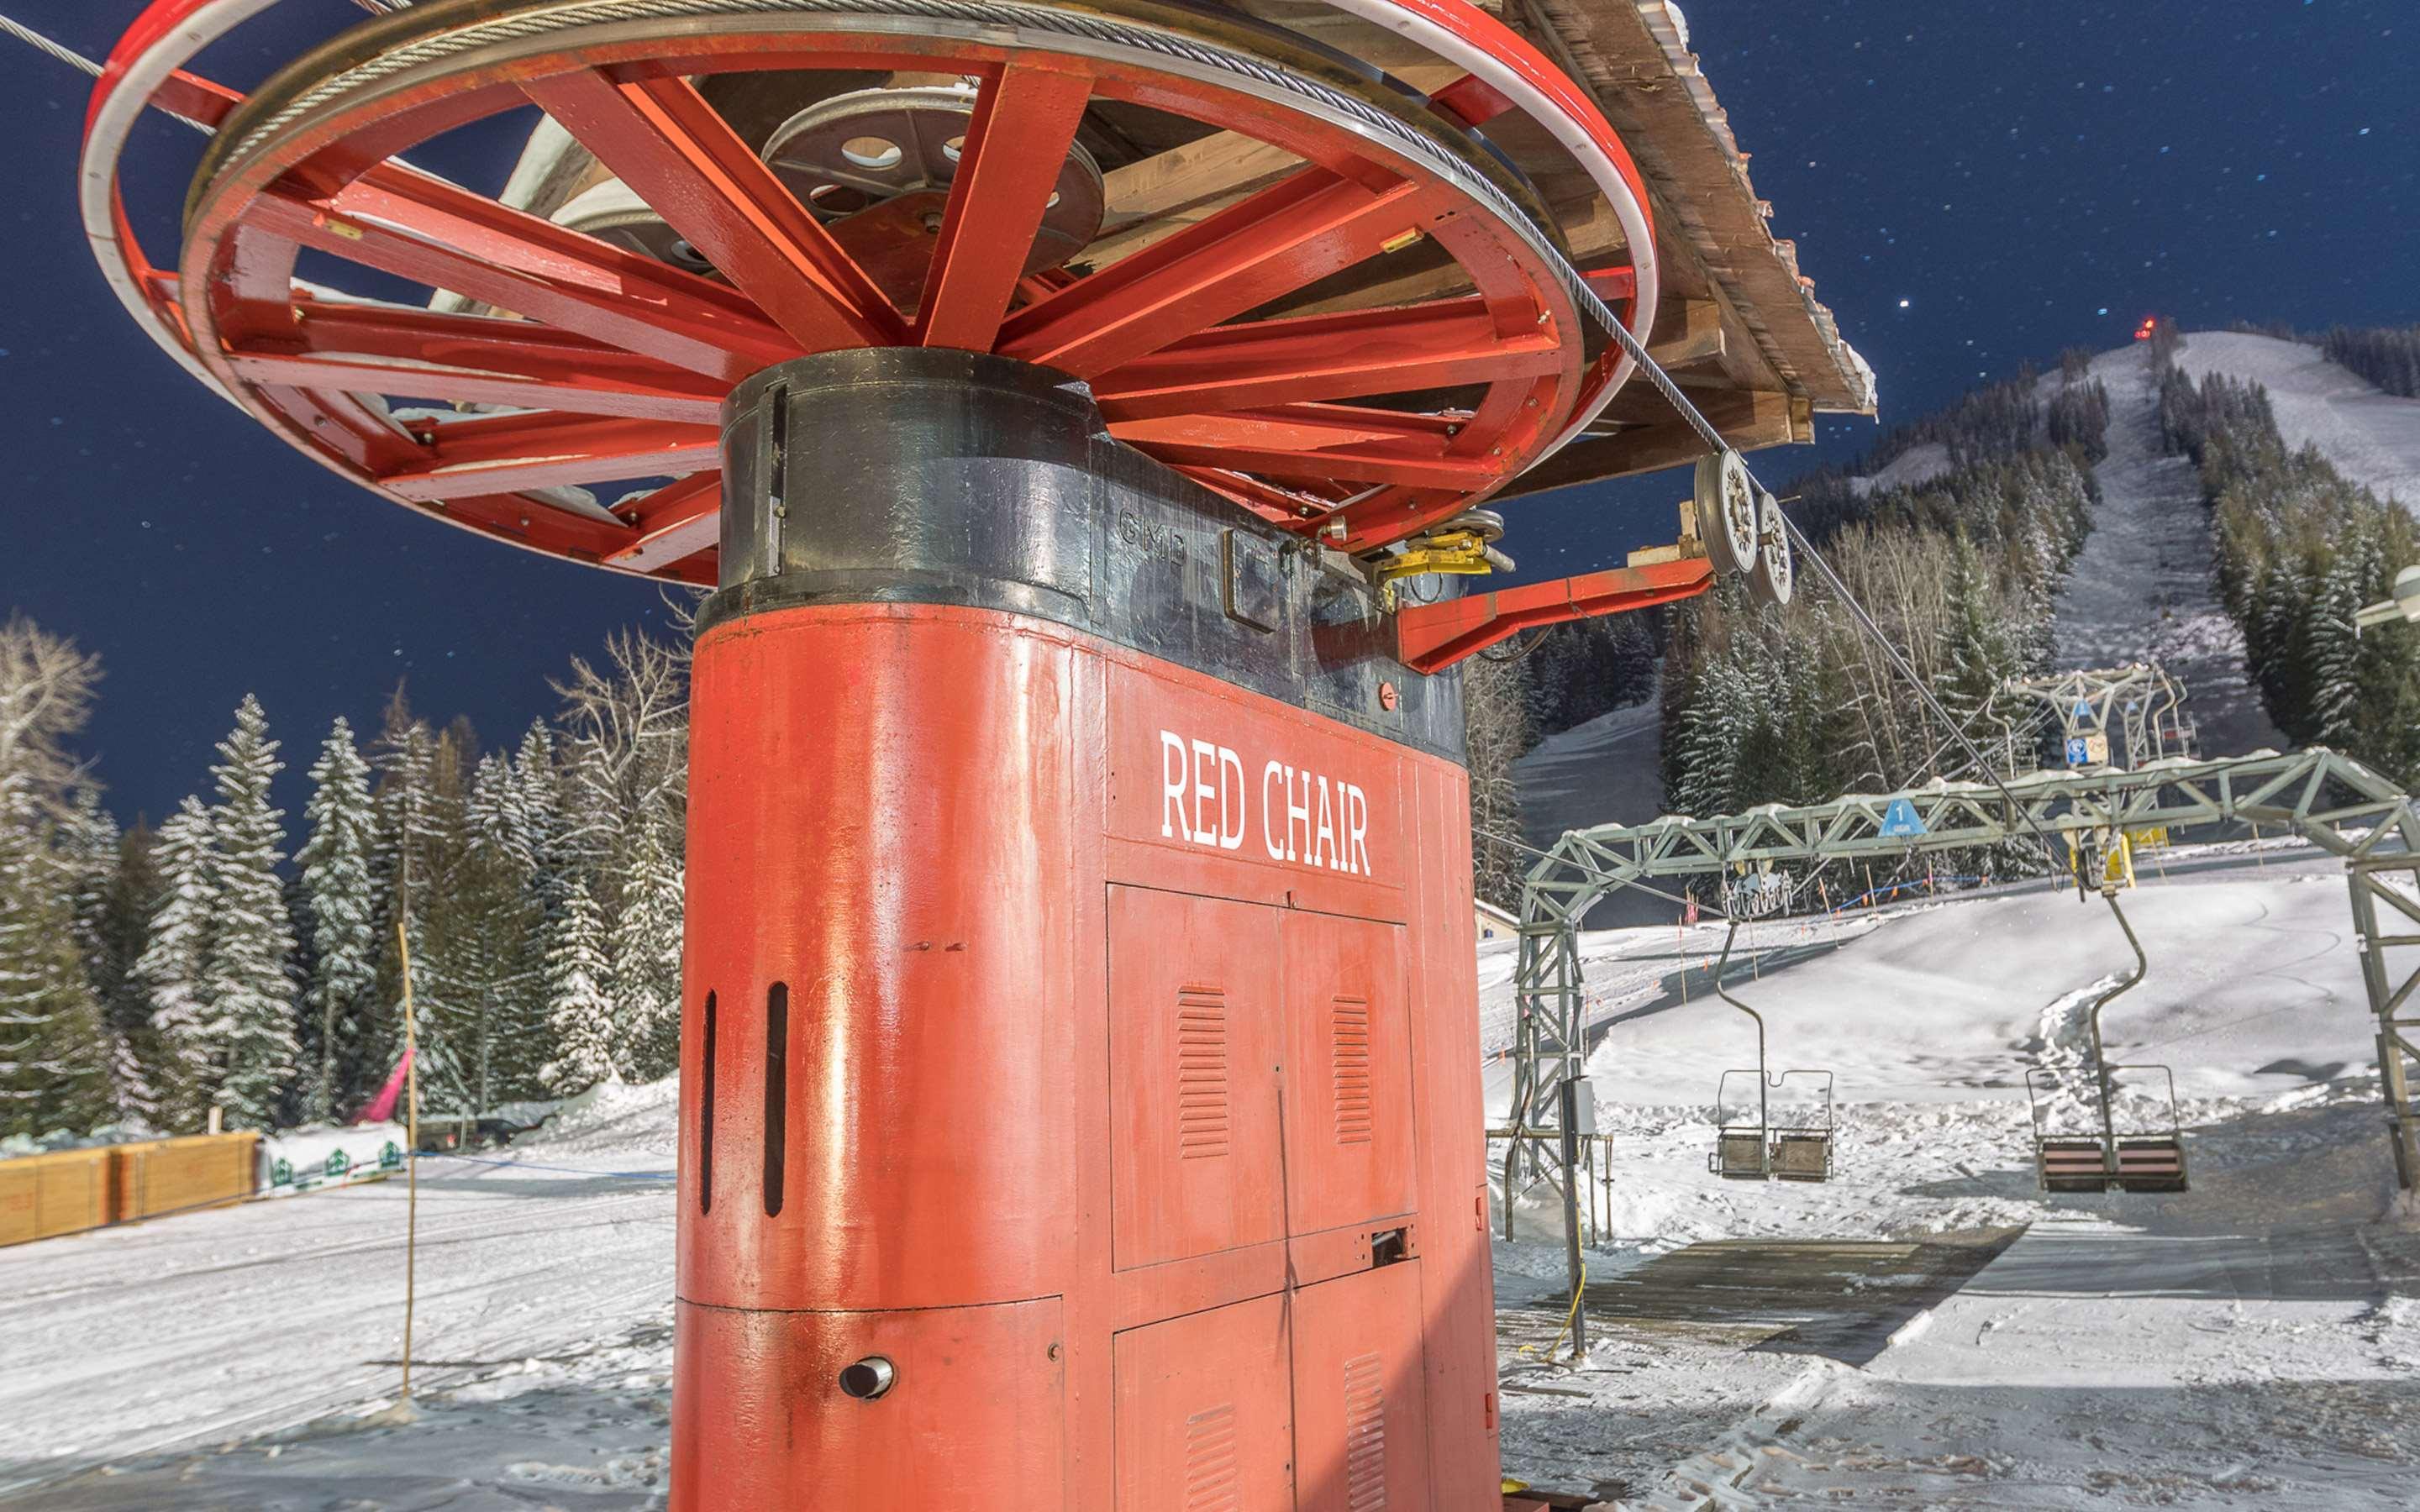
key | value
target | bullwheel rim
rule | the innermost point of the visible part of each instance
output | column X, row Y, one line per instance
column 600, row 372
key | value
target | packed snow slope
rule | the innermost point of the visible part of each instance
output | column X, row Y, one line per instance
column 221, row 1325
column 2145, row 587
column 1608, row 771
column 2372, row 437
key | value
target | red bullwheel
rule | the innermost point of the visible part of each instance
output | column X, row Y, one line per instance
column 560, row 387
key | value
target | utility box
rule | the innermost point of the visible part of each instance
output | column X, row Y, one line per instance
column 1079, row 1043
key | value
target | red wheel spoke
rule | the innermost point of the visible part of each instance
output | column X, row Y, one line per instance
column 1015, row 149
column 512, row 453
column 1263, row 246
column 662, row 139
column 1317, row 442
column 676, row 522
column 1266, row 500
column 1387, row 350
column 530, row 267
column 472, row 359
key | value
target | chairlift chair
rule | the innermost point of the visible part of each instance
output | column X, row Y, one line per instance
column 2106, row 1159
column 1771, row 1150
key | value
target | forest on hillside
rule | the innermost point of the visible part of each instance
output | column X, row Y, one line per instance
column 1961, row 571
column 239, row 958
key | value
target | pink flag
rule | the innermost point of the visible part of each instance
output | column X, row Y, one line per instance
column 381, row 1107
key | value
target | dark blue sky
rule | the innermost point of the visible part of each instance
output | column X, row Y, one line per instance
column 2024, row 178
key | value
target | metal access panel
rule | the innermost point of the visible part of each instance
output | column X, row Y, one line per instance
column 1349, row 1073
column 1360, row 1394
column 986, row 1386
column 1194, row 1048
column 1202, row 1417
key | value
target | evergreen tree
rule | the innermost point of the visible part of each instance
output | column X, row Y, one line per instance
column 420, row 836
column 579, row 1017
column 340, row 897
column 54, row 1064
column 537, row 818
column 646, row 952
column 1496, row 729
column 498, row 942
column 184, row 1078
column 244, row 971
column 1980, row 650
column 133, row 895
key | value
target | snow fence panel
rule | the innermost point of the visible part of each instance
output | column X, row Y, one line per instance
column 63, row 1191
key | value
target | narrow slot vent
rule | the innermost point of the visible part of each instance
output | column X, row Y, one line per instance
column 1349, row 1043
column 777, row 1092
column 1213, row 1478
column 1201, row 1090
column 706, row 1113
column 1365, row 1434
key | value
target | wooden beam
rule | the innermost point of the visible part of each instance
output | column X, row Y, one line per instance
column 1687, row 332
column 1187, row 179
column 1748, row 420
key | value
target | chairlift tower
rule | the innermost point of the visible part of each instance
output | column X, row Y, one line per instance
column 1079, row 1085
column 2105, row 717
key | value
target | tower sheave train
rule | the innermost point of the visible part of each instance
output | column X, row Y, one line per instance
column 1075, row 411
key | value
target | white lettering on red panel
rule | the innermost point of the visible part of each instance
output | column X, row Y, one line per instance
column 1305, row 817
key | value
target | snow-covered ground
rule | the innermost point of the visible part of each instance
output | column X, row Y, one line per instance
column 2371, row 436
column 545, row 1272
column 2249, row 1343
column 2144, row 586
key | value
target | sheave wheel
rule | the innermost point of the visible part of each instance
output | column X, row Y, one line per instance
column 1771, row 578
column 1727, row 511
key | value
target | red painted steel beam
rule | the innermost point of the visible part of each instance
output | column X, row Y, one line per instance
column 1317, row 442
column 508, row 453
column 1470, row 101
column 1299, row 230
column 1388, row 350
column 662, row 138
column 676, row 522
column 1015, row 149
column 470, row 359
column 454, row 240
column 1430, row 637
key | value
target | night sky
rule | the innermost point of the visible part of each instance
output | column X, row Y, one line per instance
column 1970, row 187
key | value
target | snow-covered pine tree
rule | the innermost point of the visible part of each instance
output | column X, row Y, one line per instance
column 184, row 1078
column 1978, row 646
column 579, row 1017
column 88, row 843
column 125, row 911
column 2335, row 652
column 537, row 817
column 340, row 895
column 497, row 945
column 646, row 952
column 54, row 1064
column 419, row 799
column 245, row 977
